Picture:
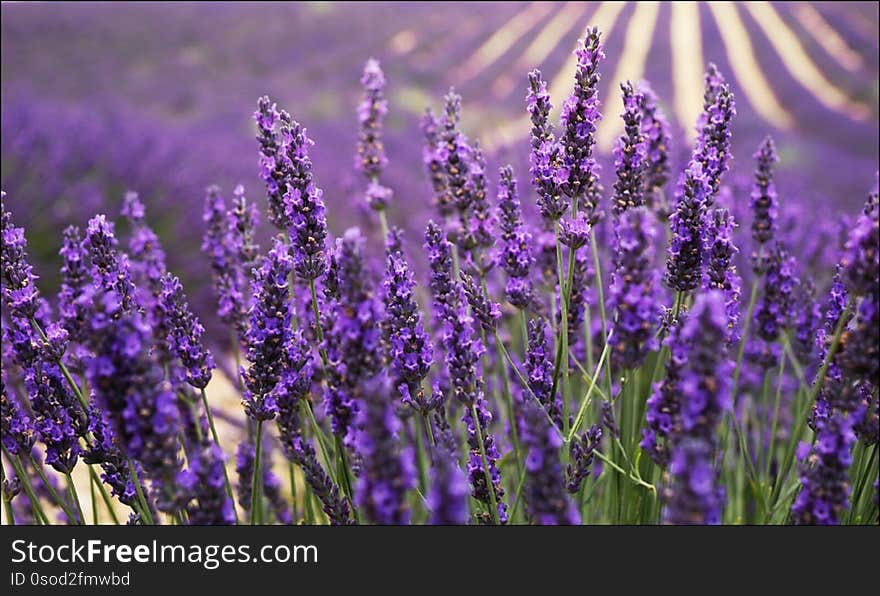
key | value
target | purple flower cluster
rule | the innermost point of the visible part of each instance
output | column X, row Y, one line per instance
column 410, row 349
column 580, row 116
column 713, row 141
column 634, row 289
column 371, row 159
column 268, row 333
column 630, row 153
column 684, row 262
column 515, row 255
column 481, row 489
column 204, row 479
column 721, row 271
column 764, row 200
column 447, row 499
column 353, row 338
column 545, row 157
column 539, row 368
column 183, row 332
column 773, row 309
column 582, row 451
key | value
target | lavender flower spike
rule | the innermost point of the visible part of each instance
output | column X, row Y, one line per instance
column 515, row 255
column 764, row 199
column 720, row 269
column 447, row 499
column 18, row 280
column 184, row 333
column 580, row 116
column 633, row 289
column 273, row 166
column 303, row 204
column 539, row 368
column 409, row 346
column 684, row 263
column 545, row 159
column 268, row 334
column 373, row 108
column 205, row 480
column 713, row 141
column 630, row 153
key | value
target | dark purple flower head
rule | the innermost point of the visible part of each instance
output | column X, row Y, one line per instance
column 17, row 427
column 486, row 312
column 475, row 468
column 655, row 130
column 74, row 279
column 105, row 451
column 409, row 346
column 478, row 222
column 241, row 222
column 515, row 255
column 545, row 157
column 575, row 233
column 634, row 289
column 430, row 127
column 268, row 334
column 692, row 493
column 721, row 271
column 226, row 266
column 245, row 457
column 454, row 156
column 539, row 369
column 685, row 260
column 18, row 280
column 713, row 141
column 303, row 203
column 580, row 116
column 545, row 489
column 371, row 159
column 353, row 336
column 765, row 206
column 387, row 472
column 141, row 406
column 110, row 269
column 147, row 256
column 204, row 479
column 630, row 153
column 183, row 331
column 806, row 321
column 774, row 307
column 273, row 166
column 823, row 471
column 582, row 452
column 691, row 399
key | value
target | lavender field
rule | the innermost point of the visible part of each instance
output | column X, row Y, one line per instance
column 440, row 263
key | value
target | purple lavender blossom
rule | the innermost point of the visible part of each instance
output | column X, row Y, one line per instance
column 110, row 269
column 183, row 331
column 806, row 321
column 478, row 222
column 685, row 259
column 387, row 468
column 303, row 203
column 713, row 141
column 774, row 307
column 226, row 275
column 575, row 233
column 17, row 428
column 242, row 221
column 545, row 489
column 582, row 452
column 409, row 346
column 861, row 259
column 486, row 312
column 371, row 159
column 430, row 127
column 104, row 450
column 245, row 457
column 130, row 387
column 454, row 155
column 475, row 468
column 353, row 337
column 823, row 472
column 74, row 278
column 515, row 255
column 268, row 333
column 147, row 256
column 655, row 130
column 720, row 271
column 633, row 289
column 630, row 153
column 204, row 479
column 764, row 199
column 545, row 158
column 580, row 116
column 19, row 288
column 273, row 167
column 539, row 370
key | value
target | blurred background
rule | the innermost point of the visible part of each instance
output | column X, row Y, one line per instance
column 158, row 98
